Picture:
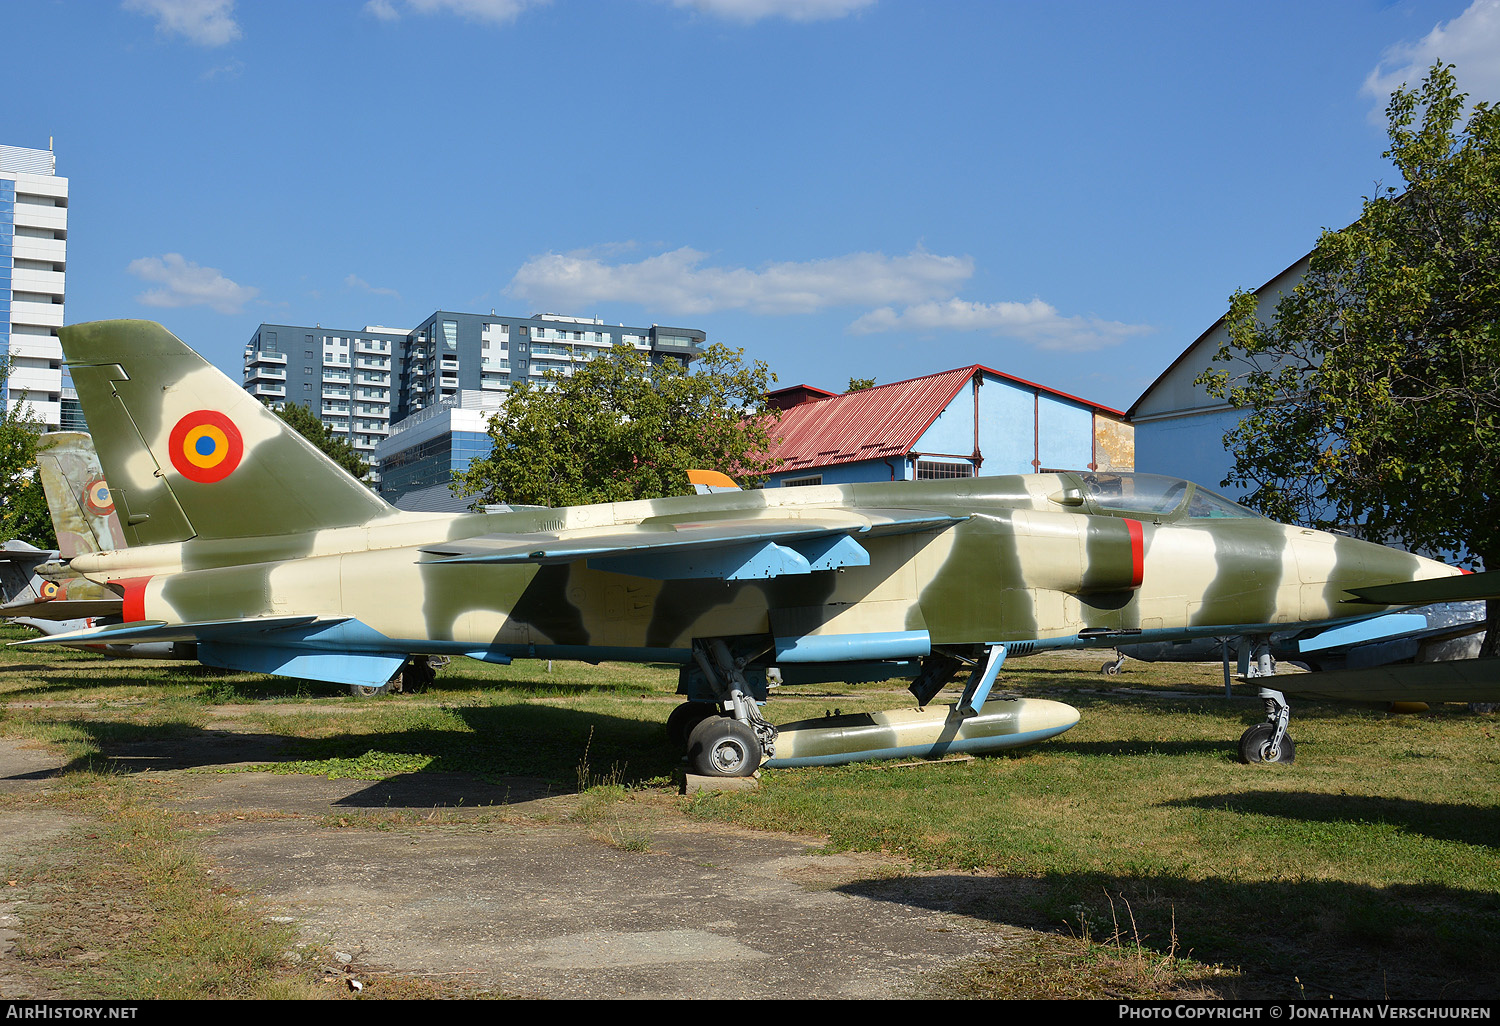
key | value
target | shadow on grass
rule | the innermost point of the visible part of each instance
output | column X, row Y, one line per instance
column 1227, row 748
column 1290, row 939
column 493, row 744
column 1464, row 824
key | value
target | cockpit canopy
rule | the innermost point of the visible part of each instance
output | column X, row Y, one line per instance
column 1157, row 496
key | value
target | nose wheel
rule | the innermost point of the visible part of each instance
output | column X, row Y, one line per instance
column 1256, row 745
column 1269, row 741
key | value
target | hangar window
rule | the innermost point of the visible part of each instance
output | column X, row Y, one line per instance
column 933, row 470
column 795, row 482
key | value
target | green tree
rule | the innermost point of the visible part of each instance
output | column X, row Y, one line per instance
column 335, row 446
column 622, row 428
column 1373, row 393
column 860, row 385
column 23, row 504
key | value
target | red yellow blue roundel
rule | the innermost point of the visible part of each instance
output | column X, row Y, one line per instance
column 96, row 497
column 205, row 446
column 50, row 591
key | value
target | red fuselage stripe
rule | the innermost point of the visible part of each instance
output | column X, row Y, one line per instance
column 134, row 594
column 1137, row 552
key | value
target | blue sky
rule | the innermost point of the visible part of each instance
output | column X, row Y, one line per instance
column 1068, row 192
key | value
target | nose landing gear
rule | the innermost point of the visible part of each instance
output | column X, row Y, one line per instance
column 1269, row 741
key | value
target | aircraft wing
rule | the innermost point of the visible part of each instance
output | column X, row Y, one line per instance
column 1458, row 680
column 735, row 546
column 1463, row 588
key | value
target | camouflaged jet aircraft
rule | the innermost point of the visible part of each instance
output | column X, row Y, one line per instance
column 248, row 541
column 84, row 520
column 82, row 515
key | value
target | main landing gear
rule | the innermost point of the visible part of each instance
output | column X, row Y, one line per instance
column 726, row 737
column 415, row 675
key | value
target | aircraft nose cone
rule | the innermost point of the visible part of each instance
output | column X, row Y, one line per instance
column 1346, row 563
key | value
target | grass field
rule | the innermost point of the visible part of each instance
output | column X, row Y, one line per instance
column 1147, row 859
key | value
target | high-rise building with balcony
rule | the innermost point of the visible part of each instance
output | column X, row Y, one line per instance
column 364, row 383
column 33, row 270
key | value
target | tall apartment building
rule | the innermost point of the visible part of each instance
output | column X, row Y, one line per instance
column 364, row 383
column 342, row 375
column 33, row 269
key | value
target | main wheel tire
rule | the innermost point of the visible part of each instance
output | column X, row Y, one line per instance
column 364, row 691
column 683, row 719
column 723, row 747
column 415, row 675
column 1255, row 745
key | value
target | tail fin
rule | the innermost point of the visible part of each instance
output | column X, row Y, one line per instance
column 83, row 514
column 188, row 453
column 18, row 563
column 706, row 482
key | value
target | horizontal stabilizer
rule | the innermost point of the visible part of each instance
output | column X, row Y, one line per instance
column 63, row 609
column 1461, row 680
column 740, row 547
column 22, row 554
column 159, row 630
column 1461, row 588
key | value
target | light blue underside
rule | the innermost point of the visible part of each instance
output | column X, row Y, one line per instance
column 850, row 648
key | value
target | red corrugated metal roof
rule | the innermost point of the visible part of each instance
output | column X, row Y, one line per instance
column 879, row 422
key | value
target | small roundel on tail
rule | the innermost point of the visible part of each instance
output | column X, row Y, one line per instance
column 96, row 497
column 205, row 446
column 49, row 591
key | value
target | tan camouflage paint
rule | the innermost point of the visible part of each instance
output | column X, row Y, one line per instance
column 288, row 532
column 921, row 733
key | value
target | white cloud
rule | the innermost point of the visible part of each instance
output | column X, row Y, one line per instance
column 205, row 22
column 496, row 12
column 1036, row 323
column 1470, row 42
column 677, row 283
column 184, row 283
column 354, row 281
column 749, row 11
column 921, row 283
column 230, row 70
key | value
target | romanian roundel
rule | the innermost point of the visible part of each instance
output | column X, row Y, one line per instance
column 49, row 591
column 205, row 446
column 96, row 498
